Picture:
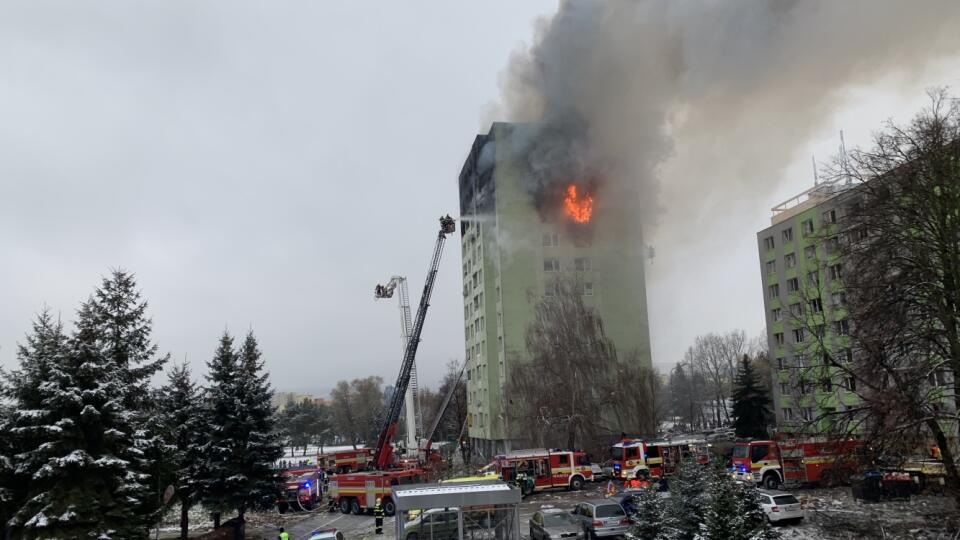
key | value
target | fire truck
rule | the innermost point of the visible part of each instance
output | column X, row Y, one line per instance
column 346, row 461
column 794, row 462
column 358, row 492
column 547, row 468
column 632, row 458
column 300, row 490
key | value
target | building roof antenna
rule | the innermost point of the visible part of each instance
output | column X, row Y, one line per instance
column 843, row 159
column 816, row 179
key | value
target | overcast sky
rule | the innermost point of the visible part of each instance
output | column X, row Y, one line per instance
column 264, row 165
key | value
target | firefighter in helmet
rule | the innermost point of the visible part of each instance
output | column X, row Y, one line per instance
column 378, row 517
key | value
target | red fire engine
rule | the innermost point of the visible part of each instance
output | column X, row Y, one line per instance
column 632, row 458
column 300, row 490
column 792, row 462
column 346, row 461
column 359, row 492
column 548, row 468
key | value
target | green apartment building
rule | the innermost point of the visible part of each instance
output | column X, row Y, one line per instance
column 512, row 253
column 807, row 328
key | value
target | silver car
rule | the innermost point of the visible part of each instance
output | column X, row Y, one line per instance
column 551, row 523
column 780, row 506
column 601, row 518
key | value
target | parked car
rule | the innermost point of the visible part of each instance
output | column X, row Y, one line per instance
column 326, row 534
column 780, row 506
column 599, row 473
column 437, row 522
column 602, row 518
column 550, row 523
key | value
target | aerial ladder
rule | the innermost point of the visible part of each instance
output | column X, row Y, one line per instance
column 414, row 415
column 428, row 437
column 383, row 453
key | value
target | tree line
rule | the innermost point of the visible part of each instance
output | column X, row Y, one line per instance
column 89, row 447
column 353, row 414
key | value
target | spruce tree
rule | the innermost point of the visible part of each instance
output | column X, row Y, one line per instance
column 214, row 480
column 260, row 445
column 7, row 478
column 28, row 423
column 722, row 519
column 181, row 412
column 754, row 523
column 87, row 485
column 650, row 519
column 751, row 403
column 689, row 501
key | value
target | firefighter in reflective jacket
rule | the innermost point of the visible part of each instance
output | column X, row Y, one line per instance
column 378, row 518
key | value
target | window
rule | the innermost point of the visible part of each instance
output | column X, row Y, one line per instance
column 841, row 328
column 798, row 335
column 774, row 290
column 938, row 378
column 779, row 363
column 836, row 272
column 788, row 234
column 551, row 265
column 796, row 310
column 862, row 233
column 787, row 413
column 826, row 385
column 816, row 305
column 790, row 260
column 771, row 267
column 768, row 243
column 800, row 360
column 830, row 216
column 778, row 337
column 833, row 244
column 810, row 252
column 807, row 413
column 845, row 356
column 807, row 227
column 784, row 388
column 588, row 289
column 818, row 331
column 551, row 240
column 850, row 383
column 803, row 386
column 813, row 278
column 838, row 298
column 793, row 285
column 550, row 289
column 583, row 264
column 776, row 314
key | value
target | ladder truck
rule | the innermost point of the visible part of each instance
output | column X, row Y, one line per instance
column 359, row 492
column 414, row 416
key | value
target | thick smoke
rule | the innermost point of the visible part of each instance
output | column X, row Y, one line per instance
column 694, row 105
column 690, row 112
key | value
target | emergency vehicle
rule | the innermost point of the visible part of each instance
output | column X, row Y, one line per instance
column 632, row 458
column 300, row 490
column 359, row 492
column 794, row 462
column 346, row 461
column 548, row 468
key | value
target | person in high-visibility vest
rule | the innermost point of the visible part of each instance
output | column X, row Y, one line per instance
column 284, row 535
column 378, row 518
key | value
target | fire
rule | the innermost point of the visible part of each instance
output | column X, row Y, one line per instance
column 579, row 208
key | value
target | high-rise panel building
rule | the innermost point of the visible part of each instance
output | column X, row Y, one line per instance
column 518, row 233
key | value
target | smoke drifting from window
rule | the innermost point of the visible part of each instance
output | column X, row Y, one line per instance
column 688, row 107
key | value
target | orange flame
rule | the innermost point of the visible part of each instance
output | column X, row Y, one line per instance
column 580, row 209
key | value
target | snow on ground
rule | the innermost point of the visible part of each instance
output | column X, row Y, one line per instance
column 834, row 513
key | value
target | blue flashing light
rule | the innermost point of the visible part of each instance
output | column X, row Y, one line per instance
column 306, row 484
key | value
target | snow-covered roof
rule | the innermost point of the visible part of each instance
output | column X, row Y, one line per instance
column 460, row 495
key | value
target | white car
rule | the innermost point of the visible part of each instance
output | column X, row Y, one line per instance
column 780, row 506
column 326, row 534
column 598, row 472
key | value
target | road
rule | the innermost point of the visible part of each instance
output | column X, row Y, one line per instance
column 353, row 527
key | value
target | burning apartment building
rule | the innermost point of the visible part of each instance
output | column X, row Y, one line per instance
column 531, row 212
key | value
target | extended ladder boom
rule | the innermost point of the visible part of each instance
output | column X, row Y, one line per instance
column 384, row 453
column 443, row 408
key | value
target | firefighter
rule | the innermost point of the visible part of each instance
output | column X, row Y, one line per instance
column 284, row 535
column 378, row 517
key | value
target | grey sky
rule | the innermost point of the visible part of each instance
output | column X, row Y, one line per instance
column 266, row 164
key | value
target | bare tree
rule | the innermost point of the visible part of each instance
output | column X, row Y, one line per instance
column 556, row 397
column 355, row 407
column 900, row 237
